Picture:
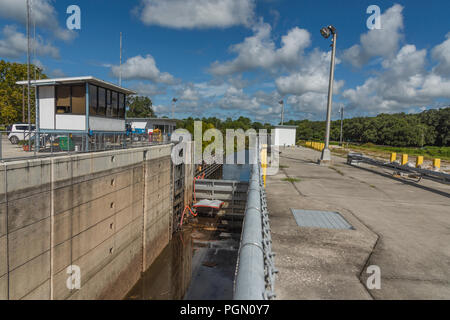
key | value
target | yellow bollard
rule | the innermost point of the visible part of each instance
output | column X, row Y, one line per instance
column 437, row 163
column 264, row 162
column 404, row 159
column 419, row 161
column 393, row 157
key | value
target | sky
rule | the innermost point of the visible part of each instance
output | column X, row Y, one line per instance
column 232, row 58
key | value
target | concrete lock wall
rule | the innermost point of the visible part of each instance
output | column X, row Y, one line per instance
column 108, row 213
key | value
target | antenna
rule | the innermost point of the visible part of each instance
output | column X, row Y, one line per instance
column 120, row 66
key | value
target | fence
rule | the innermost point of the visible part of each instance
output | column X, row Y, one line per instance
column 24, row 144
column 255, row 271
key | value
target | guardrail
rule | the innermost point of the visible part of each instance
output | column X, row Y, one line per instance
column 355, row 158
column 255, row 270
column 21, row 145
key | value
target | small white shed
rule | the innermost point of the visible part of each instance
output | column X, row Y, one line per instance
column 284, row 135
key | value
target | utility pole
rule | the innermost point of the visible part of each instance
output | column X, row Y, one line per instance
column 28, row 74
column 325, row 157
column 282, row 111
column 120, row 65
column 174, row 100
column 341, row 111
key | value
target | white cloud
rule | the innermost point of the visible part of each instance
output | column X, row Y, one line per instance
column 189, row 92
column 57, row 73
column 148, row 89
column 441, row 53
column 192, row 14
column 14, row 45
column 43, row 13
column 308, row 105
column 404, row 84
column 259, row 51
column 313, row 76
column 378, row 43
column 142, row 68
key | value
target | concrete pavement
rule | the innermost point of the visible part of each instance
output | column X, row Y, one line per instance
column 400, row 226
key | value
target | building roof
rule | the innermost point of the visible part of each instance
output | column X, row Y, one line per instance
column 285, row 127
column 89, row 79
column 152, row 120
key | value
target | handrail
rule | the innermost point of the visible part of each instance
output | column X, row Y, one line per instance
column 255, row 268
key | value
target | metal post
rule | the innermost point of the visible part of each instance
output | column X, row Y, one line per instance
column 326, row 154
column 28, row 74
column 120, row 65
column 23, row 104
column 37, row 135
column 342, row 125
column 174, row 100
column 282, row 111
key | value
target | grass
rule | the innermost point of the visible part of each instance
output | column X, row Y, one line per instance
column 291, row 180
column 283, row 167
column 429, row 153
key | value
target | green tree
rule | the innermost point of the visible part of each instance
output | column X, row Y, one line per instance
column 11, row 94
column 140, row 107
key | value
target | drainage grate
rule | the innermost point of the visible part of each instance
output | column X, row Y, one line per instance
column 320, row 219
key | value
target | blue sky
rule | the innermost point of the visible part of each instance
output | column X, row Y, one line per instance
column 228, row 58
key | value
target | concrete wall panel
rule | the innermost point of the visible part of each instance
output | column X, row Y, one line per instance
column 30, row 276
column 4, row 287
column 3, row 256
column 27, row 243
column 85, row 210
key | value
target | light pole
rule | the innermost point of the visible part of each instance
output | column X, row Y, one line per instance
column 174, row 100
column 326, row 32
column 282, row 111
column 341, row 111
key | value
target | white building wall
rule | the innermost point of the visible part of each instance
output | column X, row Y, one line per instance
column 70, row 122
column 285, row 136
column 47, row 107
column 106, row 124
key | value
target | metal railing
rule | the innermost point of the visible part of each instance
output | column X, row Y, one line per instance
column 20, row 145
column 255, row 270
column 355, row 158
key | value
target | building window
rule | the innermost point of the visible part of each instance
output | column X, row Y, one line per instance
column 93, row 100
column 78, row 96
column 108, row 104
column 114, row 102
column 71, row 99
column 121, row 105
column 101, row 102
column 63, row 99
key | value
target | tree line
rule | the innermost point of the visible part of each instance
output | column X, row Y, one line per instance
column 428, row 128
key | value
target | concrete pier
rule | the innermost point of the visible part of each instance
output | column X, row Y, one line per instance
column 109, row 213
column 400, row 226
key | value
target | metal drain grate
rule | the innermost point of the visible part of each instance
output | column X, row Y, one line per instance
column 320, row 219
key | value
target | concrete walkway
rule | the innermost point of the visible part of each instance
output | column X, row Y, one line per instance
column 402, row 227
